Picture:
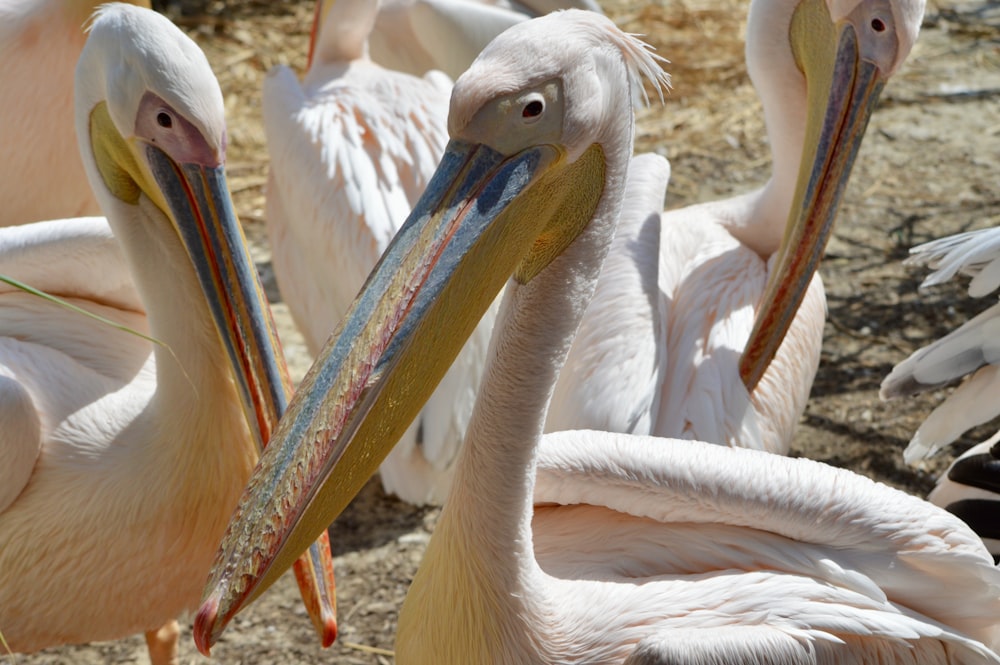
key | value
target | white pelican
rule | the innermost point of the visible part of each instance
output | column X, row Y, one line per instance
column 40, row 42
column 123, row 462
column 700, row 290
column 970, row 488
column 352, row 147
column 642, row 552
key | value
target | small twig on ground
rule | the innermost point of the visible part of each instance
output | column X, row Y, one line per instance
column 238, row 58
column 955, row 96
column 250, row 183
column 867, row 337
column 367, row 649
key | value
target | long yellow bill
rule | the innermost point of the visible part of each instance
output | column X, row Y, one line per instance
column 843, row 89
column 466, row 236
column 198, row 200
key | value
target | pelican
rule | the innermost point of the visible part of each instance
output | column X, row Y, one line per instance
column 640, row 551
column 352, row 147
column 123, row 462
column 660, row 354
column 40, row 42
column 970, row 487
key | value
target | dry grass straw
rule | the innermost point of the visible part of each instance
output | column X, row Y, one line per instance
column 6, row 648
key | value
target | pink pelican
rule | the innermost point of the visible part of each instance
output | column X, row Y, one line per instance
column 659, row 350
column 123, row 460
column 352, row 146
column 639, row 551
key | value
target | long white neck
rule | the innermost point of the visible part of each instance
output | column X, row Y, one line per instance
column 536, row 326
column 343, row 35
column 192, row 355
column 195, row 397
column 782, row 89
column 478, row 590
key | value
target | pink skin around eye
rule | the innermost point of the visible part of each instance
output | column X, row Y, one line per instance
column 158, row 123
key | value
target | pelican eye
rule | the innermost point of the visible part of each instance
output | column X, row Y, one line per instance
column 533, row 109
column 878, row 25
column 163, row 119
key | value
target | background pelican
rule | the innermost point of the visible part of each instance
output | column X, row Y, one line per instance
column 351, row 148
column 700, row 290
column 123, row 462
column 531, row 185
column 969, row 488
column 40, row 42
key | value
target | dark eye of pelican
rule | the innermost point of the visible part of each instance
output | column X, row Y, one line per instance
column 163, row 119
column 532, row 109
column 878, row 25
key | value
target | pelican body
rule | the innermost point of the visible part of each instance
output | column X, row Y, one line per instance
column 640, row 550
column 352, row 146
column 124, row 459
column 660, row 353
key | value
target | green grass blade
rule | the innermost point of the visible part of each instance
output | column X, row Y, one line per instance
column 62, row 303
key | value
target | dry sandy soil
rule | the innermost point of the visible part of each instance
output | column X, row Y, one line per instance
column 928, row 168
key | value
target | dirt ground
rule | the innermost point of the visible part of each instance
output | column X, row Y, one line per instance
column 928, row 168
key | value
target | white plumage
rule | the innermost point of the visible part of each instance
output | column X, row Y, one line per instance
column 612, row 380
column 416, row 36
column 973, row 351
column 972, row 348
column 42, row 342
column 352, row 147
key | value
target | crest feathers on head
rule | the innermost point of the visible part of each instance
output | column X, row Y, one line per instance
column 640, row 57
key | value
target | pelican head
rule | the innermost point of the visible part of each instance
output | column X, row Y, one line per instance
column 838, row 56
column 151, row 126
column 537, row 135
